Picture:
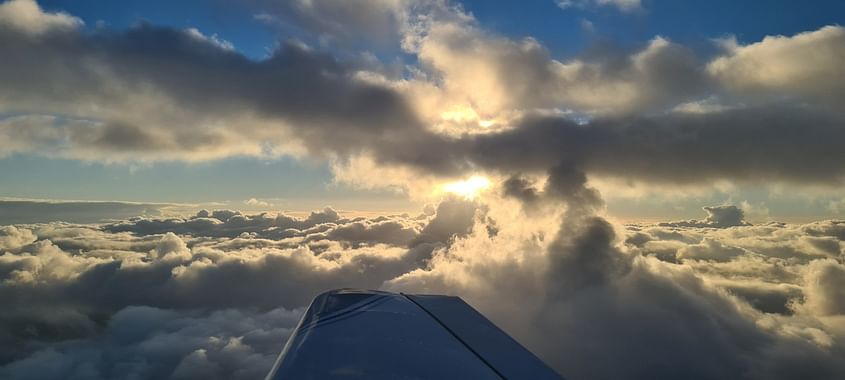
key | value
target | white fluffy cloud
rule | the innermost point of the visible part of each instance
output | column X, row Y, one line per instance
column 219, row 296
column 28, row 17
column 807, row 65
column 218, row 299
column 12, row 239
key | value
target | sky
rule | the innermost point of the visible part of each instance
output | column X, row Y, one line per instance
column 661, row 179
column 285, row 171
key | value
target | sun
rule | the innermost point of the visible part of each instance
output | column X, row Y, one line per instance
column 468, row 188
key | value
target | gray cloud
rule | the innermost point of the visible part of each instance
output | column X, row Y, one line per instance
column 81, row 275
column 673, row 148
column 145, row 93
column 35, row 211
column 717, row 217
column 709, row 250
column 834, row 228
column 204, row 96
column 594, row 294
column 147, row 343
column 216, row 302
column 389, row 231
column 453, row 218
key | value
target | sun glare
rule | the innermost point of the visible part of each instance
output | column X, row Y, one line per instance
column 468, row 188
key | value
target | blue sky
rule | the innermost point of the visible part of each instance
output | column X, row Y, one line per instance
column 567, row 34
column 690, row 22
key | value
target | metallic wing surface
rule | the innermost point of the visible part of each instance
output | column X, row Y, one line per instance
column 364, row 334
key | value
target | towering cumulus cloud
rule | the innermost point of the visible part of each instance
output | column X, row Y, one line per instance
column 418, row 96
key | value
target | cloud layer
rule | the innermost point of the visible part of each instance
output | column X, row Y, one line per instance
column 474, row 100
column 714, row 299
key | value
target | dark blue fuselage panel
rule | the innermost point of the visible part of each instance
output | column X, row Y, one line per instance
column 351, row 334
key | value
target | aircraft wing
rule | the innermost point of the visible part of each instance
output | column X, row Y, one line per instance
column 365, row 334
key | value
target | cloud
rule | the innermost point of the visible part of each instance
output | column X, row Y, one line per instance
column 393, row 231
column 228, row 223
column 143, row 94
column 582, row 286
column 492, row 75
column 453, row 218
column 378, row 21
column 12, row 239
column 256, row 202
column 825, row 283
column 672, row 148
column 146, row 342
column 20, row 211
column 717, row 217
column 804, row 65
column 622, row 5
column 709, row 249
column 248, row 108
column 81, row 293
column 834, row 228
column 210, row 300
column 27, row 17
column 213, row 39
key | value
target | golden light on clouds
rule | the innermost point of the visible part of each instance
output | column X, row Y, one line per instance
column 459, row 114
column 468, row 188
column 464, row 115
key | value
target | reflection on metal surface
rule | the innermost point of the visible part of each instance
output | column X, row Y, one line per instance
column 364, row 334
